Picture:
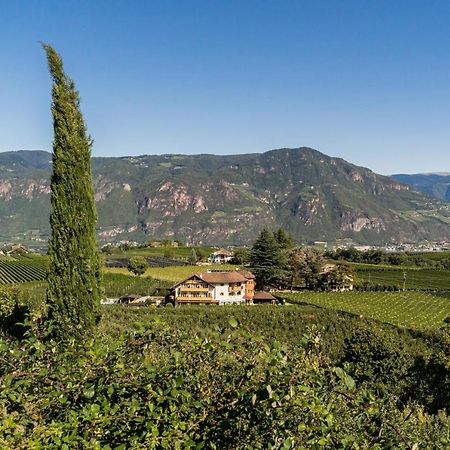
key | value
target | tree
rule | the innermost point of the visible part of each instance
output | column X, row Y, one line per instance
column 339, row 277
column 305, row 266
column 266, row 260
column 241, row 256
column 202, row 254
column 314, row 267
column 75, row 269
column 296, row 267
column 138, row 265
column 193, row 257
column 284, row 239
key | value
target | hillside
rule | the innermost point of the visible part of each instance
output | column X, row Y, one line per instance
column 433, row 184
column 212, row 199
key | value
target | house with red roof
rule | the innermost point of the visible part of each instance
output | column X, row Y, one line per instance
column 219, row 287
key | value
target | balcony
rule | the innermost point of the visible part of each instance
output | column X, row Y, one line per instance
column 194, row 297
column 193, row 288
column 235, row 289
column 197, row 300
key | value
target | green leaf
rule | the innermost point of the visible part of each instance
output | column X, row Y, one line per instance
column 89, row 392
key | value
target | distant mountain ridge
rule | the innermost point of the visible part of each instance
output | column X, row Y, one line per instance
column 227, row 199
column 433, row 184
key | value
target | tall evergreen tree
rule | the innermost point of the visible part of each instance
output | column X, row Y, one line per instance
column 74, row 276
column 266, row 260
column 284, row 239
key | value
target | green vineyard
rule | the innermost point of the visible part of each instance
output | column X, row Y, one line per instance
column 419, row 310
column 22, row 269
column 117, row 284
column 410, row 278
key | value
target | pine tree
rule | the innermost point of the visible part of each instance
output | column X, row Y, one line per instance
column 74, row 277
column 266, row 260
column 284, row 239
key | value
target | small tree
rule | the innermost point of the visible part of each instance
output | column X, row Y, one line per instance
column 193, row 257
column 202, row 254
column 75, row 266
column 241, row 256
column 339, row 277
column 138, row 265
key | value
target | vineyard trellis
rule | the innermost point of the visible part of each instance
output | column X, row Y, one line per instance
column 22, row 269
column 411, row 309
column 116, row 284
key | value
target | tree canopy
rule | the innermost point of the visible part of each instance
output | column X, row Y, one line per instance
column 138, row 265
column 75, row 268
column 266, row 260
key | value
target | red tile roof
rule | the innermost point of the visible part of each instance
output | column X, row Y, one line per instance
column 233, row 276
column 263, row 296
column 246, row 274
column 222, row 277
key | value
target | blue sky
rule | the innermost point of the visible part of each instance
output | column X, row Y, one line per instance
column 367, row 81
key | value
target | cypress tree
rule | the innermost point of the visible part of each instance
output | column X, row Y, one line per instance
column 75, row 270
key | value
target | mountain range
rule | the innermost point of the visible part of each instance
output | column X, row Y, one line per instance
column 433, row 184
column 218, row 200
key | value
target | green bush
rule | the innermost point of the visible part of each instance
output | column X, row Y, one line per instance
column 378, row 358
column 159, row 388
column 13, row 312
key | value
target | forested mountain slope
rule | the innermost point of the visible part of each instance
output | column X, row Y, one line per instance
column 216, row 199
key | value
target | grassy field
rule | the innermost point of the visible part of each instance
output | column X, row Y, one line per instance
column 118, row 284
column 174, row 273
column 415, row 310
column 429, row 279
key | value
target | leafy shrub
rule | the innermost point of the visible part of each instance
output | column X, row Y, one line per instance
column 158, row 388
column 13, row 312
column 377, row 358
column 431, row 381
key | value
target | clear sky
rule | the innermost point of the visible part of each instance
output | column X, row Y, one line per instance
column 368, row 81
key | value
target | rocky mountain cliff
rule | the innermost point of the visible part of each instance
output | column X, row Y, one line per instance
column 213, row 199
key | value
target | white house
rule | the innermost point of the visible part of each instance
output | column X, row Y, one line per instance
column 221, row 256
column 215, row 287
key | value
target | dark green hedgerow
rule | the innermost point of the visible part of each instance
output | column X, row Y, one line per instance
column 157, row 388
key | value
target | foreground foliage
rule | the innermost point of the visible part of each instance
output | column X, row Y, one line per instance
column 161, row 388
